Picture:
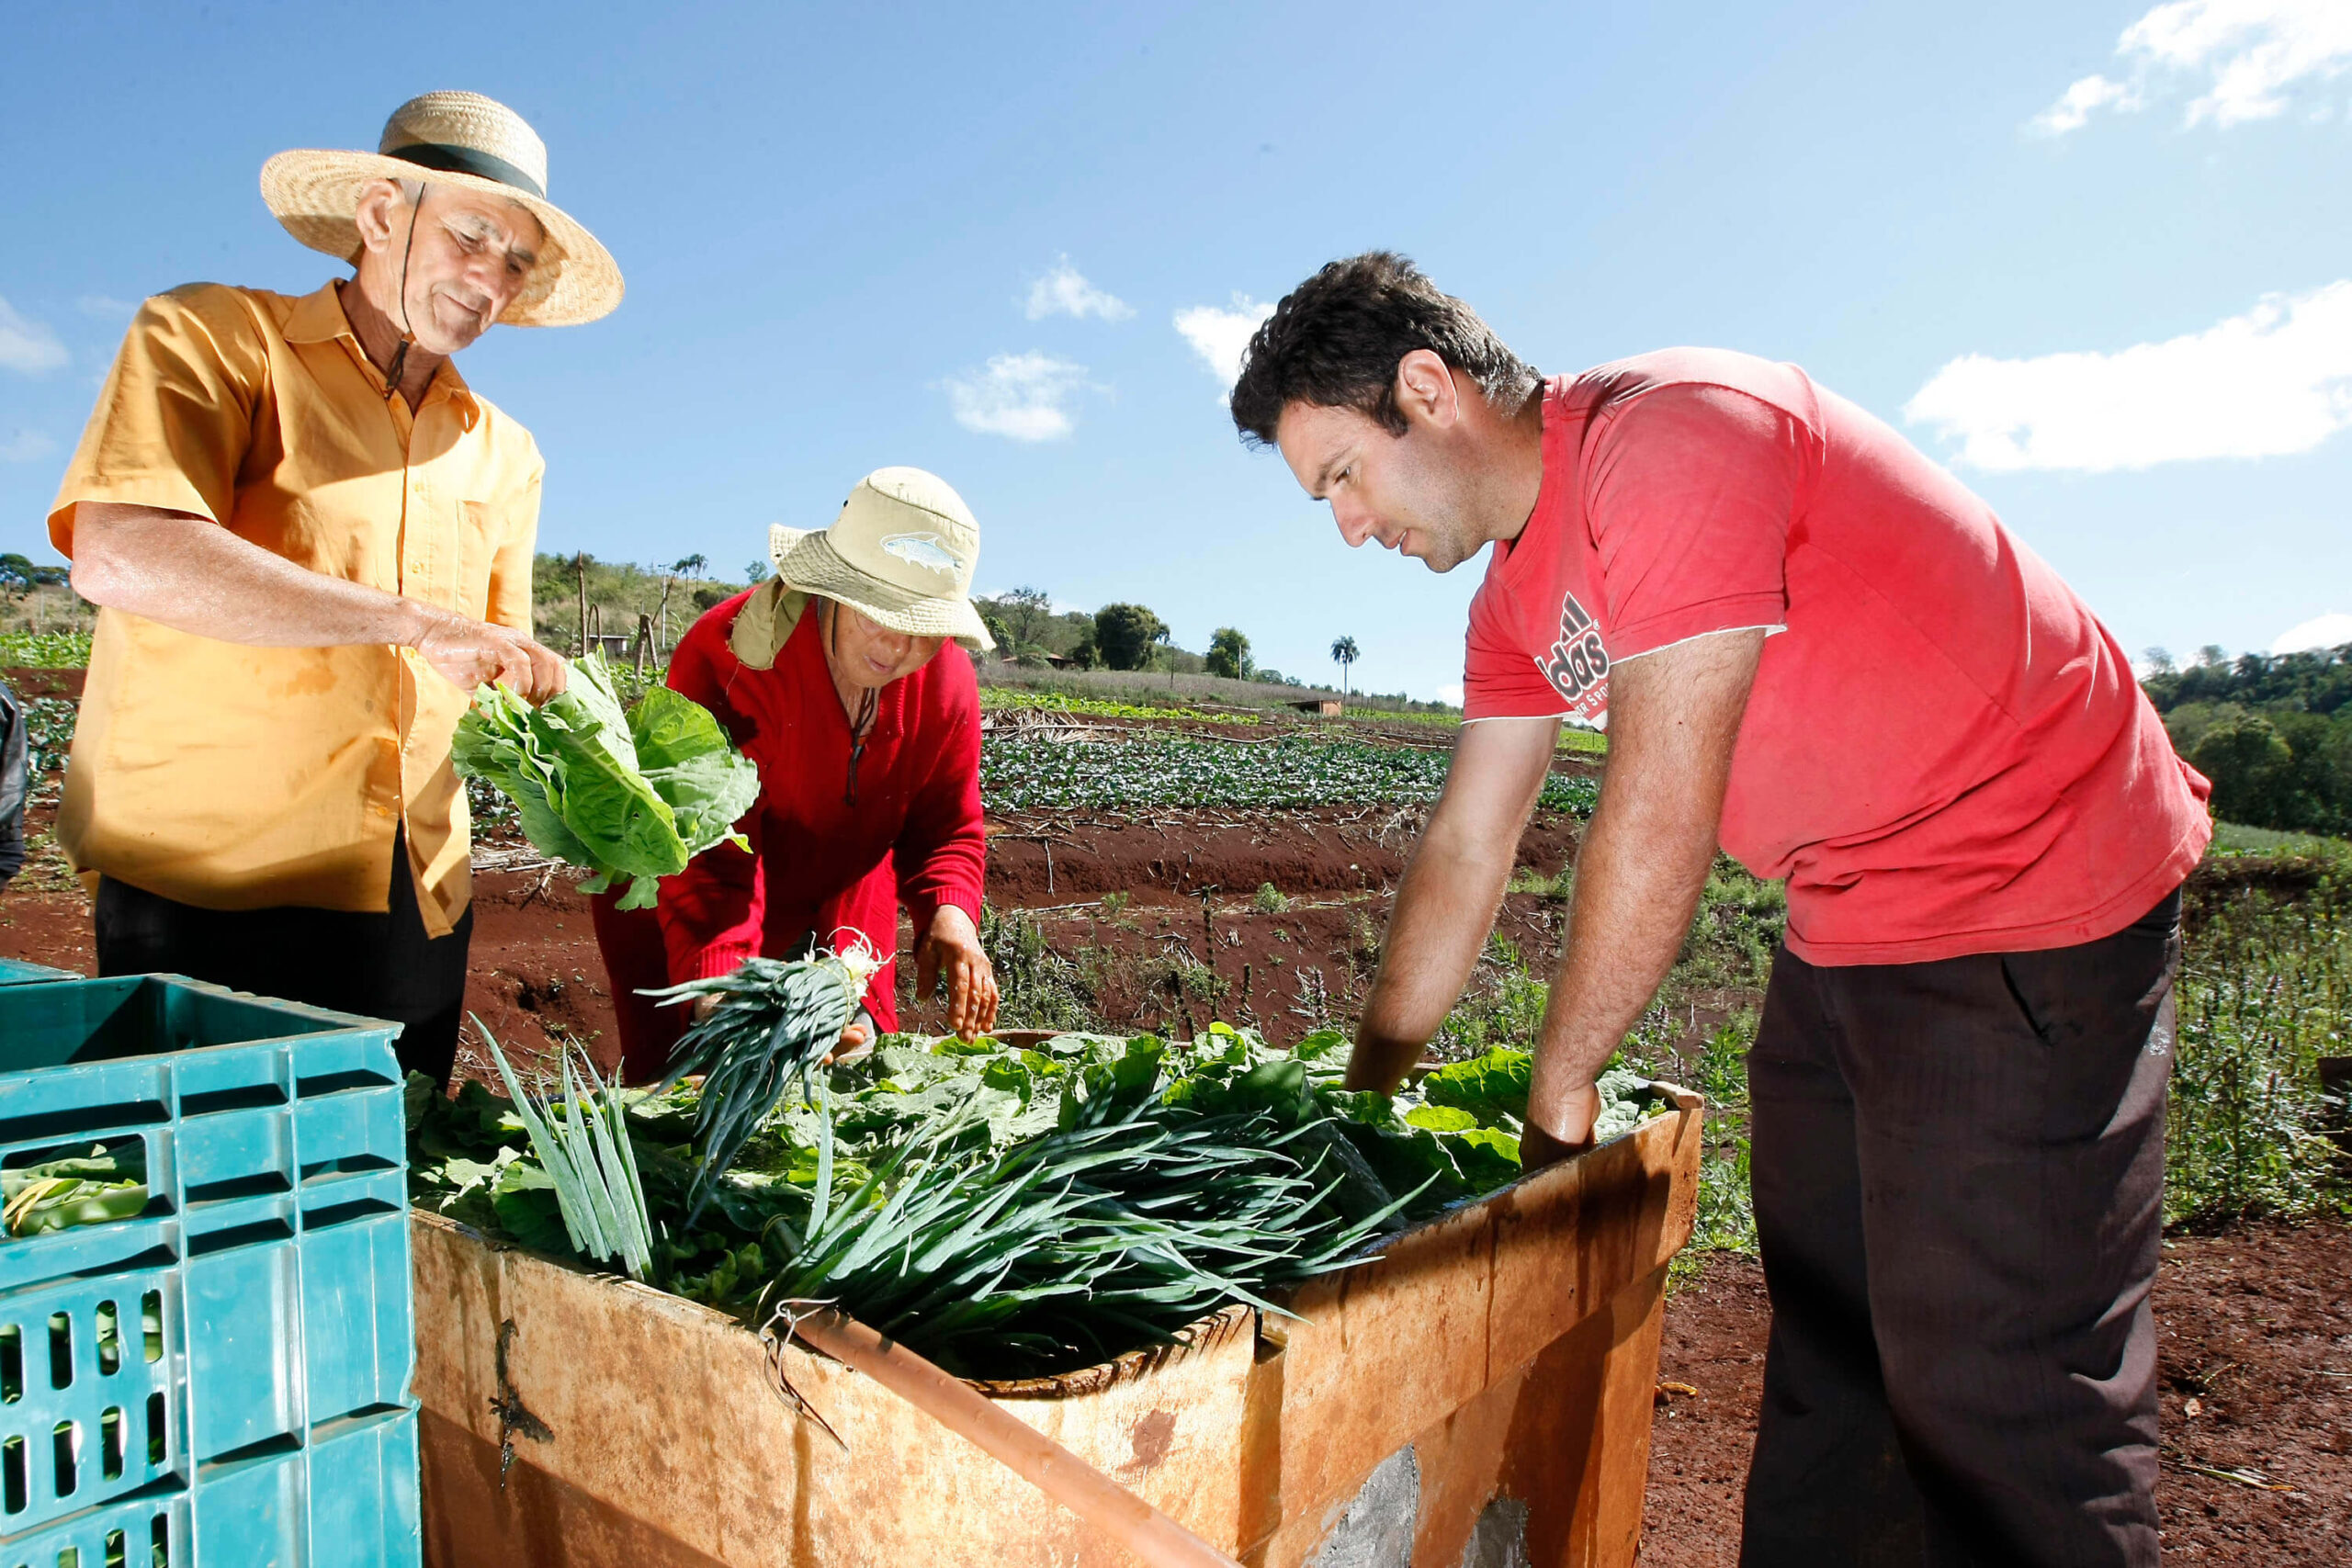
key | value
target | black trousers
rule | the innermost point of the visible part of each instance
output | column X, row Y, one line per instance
column 1957, row 1171
column 379, row 966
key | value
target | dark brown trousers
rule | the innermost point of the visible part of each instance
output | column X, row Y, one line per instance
column 1958, row 1173
column 377, row 965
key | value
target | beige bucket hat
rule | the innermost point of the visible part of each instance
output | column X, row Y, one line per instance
column 460, row 138
column 901, row 553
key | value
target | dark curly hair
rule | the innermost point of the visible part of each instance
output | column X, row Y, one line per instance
column 1335, row 340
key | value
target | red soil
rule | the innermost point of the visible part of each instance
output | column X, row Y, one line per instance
column 2254, row 1326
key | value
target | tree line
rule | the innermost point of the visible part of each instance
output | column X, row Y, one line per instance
column 1028, row 629
column 2272, row 732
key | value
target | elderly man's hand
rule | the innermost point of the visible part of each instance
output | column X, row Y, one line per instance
column 952, row 947
column 479, row 653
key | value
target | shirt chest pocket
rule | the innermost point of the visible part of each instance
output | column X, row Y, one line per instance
column 481, row 529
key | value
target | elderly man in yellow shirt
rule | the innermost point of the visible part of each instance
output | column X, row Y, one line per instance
column 310, row 540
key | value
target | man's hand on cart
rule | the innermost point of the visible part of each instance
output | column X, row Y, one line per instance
column 1565, row 1128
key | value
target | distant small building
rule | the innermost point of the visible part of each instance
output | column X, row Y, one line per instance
column 612, row 646
column 1320, row 707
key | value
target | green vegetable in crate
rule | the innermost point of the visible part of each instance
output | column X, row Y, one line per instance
column 776, row 1019
column 583, row 1147
column 1134, row 1221
column 627, row 795
column 106, row 1184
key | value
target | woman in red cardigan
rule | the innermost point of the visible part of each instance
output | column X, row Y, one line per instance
column 845, row 678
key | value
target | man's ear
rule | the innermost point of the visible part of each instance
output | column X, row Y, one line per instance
column 379, row 213
column 1425, row 391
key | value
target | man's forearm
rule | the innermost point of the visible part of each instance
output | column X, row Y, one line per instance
column 1675, row 723
column 1446, row 903
column 194, row 576
column 1446, row 906
column 1637, row 882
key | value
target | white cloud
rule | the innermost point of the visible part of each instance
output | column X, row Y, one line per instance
column 27, row 346
column 106, row 307
column 2073, row 110
column 2331, row 630
column 1023, row 396
column 1450, row 693
column 26, row 446
column 2244, row 53
column 2273, row 381
column 1220, row 336
column 1065, row 292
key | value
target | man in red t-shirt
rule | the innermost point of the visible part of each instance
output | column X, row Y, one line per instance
column 1815, row 649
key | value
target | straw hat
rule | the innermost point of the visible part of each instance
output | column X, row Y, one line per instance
column 901, row 553
column 458, row 139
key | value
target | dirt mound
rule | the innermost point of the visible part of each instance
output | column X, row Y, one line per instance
column 30, row 684
column 1035, row 860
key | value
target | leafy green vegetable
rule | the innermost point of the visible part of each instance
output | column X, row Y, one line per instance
column 690, row 764
column 775, row 1020
column 1009, row 1209
column 109, row 1183
column 1489, row 1086
column 623, row 796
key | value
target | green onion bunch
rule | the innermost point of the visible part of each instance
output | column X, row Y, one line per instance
column 776, row 1019
column 1117, row 1230
column 584, row 1147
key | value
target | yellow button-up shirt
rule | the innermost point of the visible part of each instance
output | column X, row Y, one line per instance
column 235, row 778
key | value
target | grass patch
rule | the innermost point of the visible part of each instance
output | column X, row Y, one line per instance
column 2235, row 837
column 1039, row 989
column 2264, row 992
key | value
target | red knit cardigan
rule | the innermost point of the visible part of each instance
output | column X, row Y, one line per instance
column 837, row 842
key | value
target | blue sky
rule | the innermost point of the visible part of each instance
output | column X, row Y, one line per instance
column 2097, row 252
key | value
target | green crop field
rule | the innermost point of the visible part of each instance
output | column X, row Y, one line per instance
column 1145, row 769
column 44, row 650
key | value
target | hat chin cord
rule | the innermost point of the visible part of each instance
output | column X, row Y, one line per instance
column 408, row 334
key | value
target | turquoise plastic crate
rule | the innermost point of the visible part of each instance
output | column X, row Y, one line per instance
column 16, row 972
column 221, row 1381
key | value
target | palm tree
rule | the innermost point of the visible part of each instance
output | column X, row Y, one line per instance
column 1343, row 651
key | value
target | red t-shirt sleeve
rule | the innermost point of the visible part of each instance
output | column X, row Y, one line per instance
column 1689, row 491
column 712, row 912
column 1498, row 678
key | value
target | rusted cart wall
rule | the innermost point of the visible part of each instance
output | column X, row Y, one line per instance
column 1480, row 1396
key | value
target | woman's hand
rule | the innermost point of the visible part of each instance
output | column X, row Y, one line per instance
column 856, row 1037
column 952, row 948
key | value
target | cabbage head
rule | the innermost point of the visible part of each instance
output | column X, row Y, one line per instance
column 625, row 796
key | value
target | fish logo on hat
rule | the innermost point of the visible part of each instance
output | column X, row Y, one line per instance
column 926, row 550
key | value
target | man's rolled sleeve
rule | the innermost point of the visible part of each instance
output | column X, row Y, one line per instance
column 173, row 425
column 1689, row 494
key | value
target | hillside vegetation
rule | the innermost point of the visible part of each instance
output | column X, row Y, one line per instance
column 2272, row 732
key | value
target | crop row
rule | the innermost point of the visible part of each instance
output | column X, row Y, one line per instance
column 1139, row 771
column 1142, row 770
column 1000, row 699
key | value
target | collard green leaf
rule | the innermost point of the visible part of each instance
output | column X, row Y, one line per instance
column 1489, row 1087
column 586, row 795
column 689, row 763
